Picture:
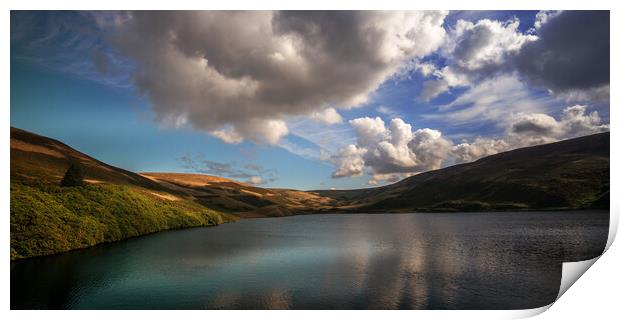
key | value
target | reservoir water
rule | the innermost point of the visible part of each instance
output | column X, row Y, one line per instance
column 340, row 261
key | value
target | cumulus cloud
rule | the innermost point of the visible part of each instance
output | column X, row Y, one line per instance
column 481, row 147
column 369, row 130
column 239, row 75
column 576, row 122
column 391, row 152
column 528, row 129
column 430, row 147
column 350, row 162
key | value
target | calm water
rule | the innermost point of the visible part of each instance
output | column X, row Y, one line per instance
column 356, row 261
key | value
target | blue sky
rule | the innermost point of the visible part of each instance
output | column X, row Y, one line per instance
column 84, row 79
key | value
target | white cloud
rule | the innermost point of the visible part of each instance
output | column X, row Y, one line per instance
column 430, row 147
column 262, row 130
column 395, row 152
column 426, row 69
column 528, row 129
column 475, row 51
column 535, row 128
column 377, row 179
column 389, row 152
column 481, row 147
column 485, row 44
column 350, row 162
column 576, row 122
column 228, row 135
column 240, row 75
column 369, row 130
column 327, row 116
column 543, row 17
column 255, row 181
column 433, row 88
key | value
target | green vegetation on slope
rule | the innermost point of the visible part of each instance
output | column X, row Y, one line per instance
column 48, row 219
column 112, row 204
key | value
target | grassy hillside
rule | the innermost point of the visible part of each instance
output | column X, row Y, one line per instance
column 571, row 174
column 47, row 219
column 114, row 204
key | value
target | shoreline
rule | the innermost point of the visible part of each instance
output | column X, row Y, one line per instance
column 12, row 261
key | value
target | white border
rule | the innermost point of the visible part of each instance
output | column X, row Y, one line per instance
column 592, row 296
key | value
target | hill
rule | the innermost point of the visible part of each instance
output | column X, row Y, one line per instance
column 570, row 174
column 42, row 159
column 240, row 198
column 114, row 204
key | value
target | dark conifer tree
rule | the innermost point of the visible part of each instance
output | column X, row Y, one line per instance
column 73, row 177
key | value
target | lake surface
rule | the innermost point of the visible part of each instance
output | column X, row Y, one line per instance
column 346, row 261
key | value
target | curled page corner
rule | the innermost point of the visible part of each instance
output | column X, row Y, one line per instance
column 571, row 271
column 528, row 313
column 613, row 229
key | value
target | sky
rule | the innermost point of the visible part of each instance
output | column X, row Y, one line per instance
column 308, row 100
